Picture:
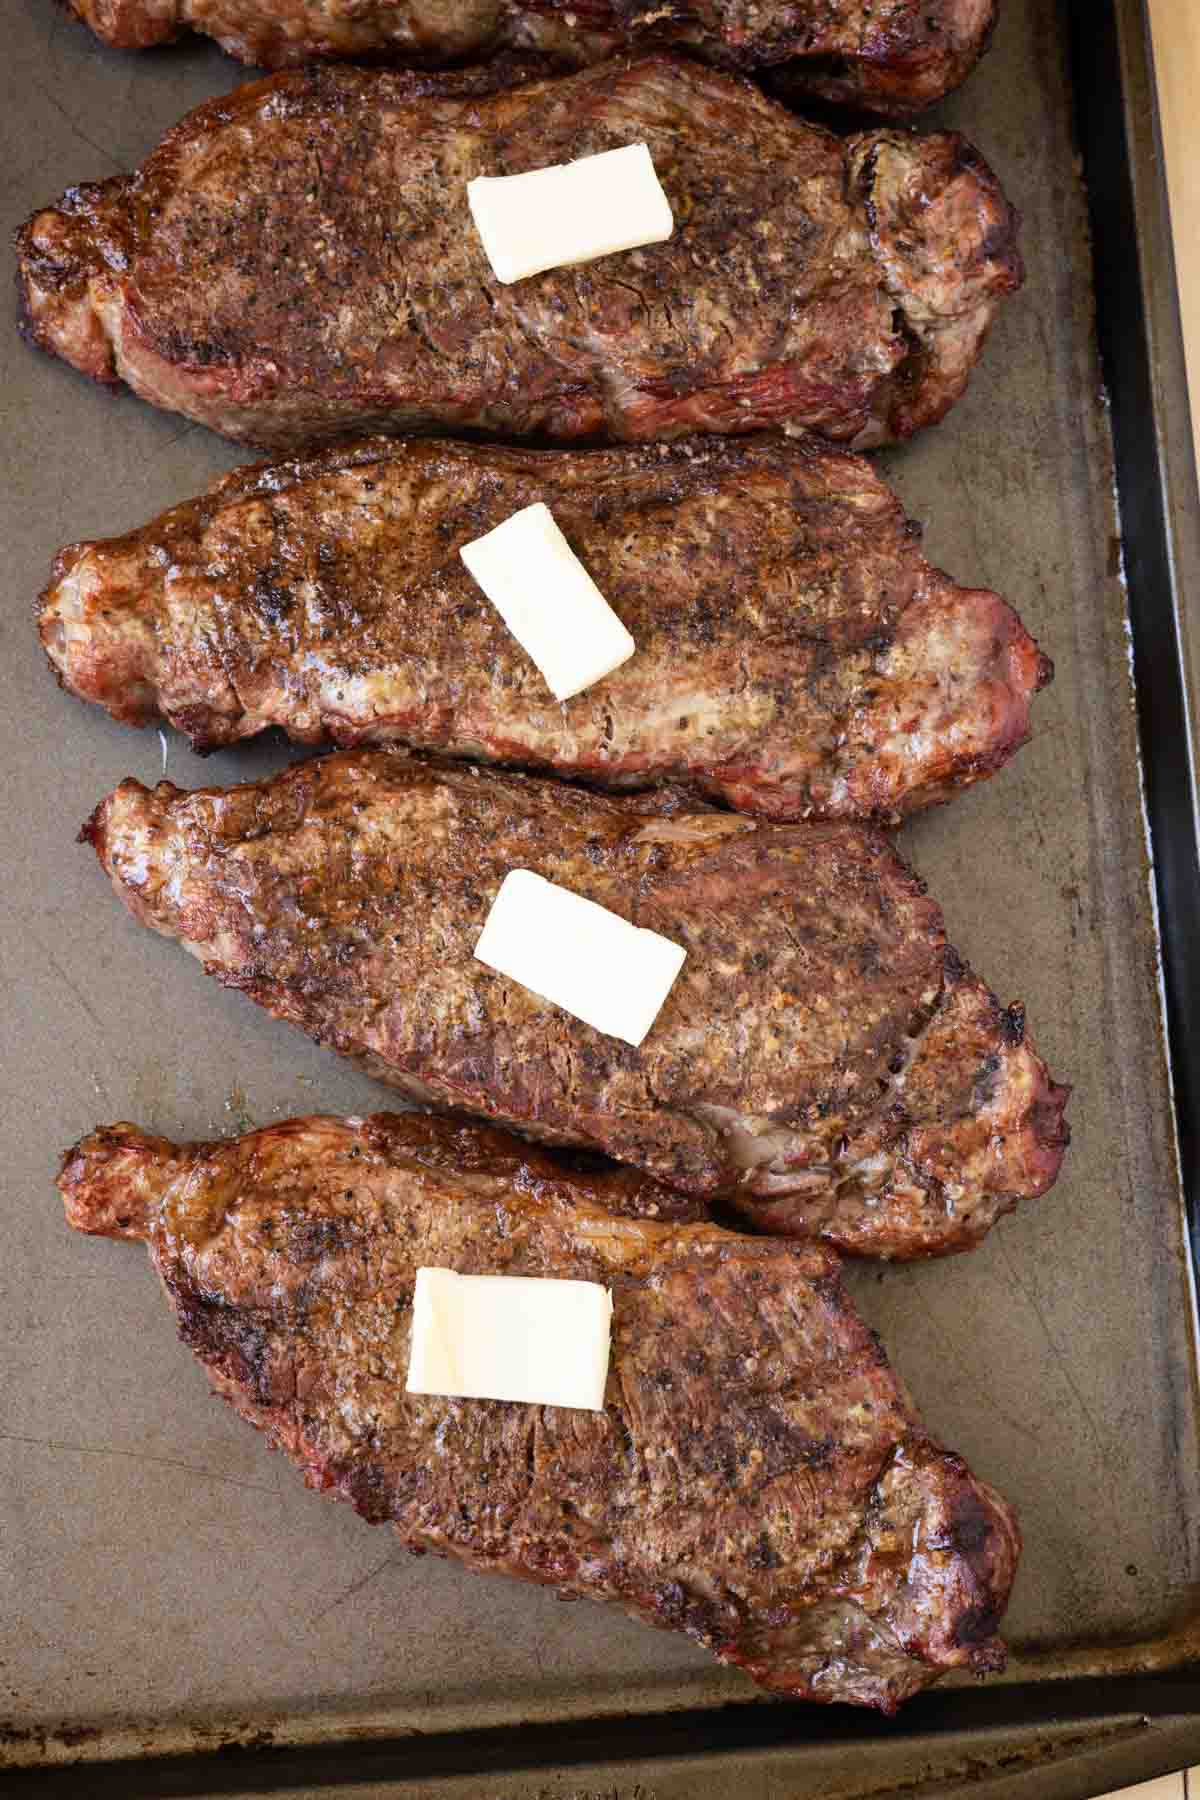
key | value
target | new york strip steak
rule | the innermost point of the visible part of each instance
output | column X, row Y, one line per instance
column 893, row 57
column 824, row 1062
column 758, row 1479
column 796, row 654
column 296, row 263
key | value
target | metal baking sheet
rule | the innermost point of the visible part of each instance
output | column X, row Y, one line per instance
column 166, row 1584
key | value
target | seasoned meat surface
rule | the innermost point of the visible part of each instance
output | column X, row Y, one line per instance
column 796, row 654
column 823, row 1061
column 297, row 263
column 911, row 56
column 893, row 57
column 758, row 1479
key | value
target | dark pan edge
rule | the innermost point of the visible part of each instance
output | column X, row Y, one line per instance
column 1141, row 348
column 1011, row 1737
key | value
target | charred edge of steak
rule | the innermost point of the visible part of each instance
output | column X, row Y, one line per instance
column 129, row 24
column 112, row 1181
column 915, row 56
column 233, row 1341
column 903, row 67
column 944, row 236
column 65, row 255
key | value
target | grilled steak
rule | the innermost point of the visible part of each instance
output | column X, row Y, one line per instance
column 796, row 654
column 824, row 1061
column 908, row 56
column 758, row 1479
column 893, row 58
column 297, row 263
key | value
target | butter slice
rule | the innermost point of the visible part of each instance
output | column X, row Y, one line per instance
column 569, row 213
column 607, row 972
column 548, row 600
column 510, row 1337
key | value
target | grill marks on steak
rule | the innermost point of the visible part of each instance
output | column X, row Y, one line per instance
column 759, row 1479
column 823, row 1061
column 796, row 654
column 296, row 263
column 893, row 58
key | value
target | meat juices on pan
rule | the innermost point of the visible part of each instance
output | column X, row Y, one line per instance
column 824, row 1061
column 759, row 1478
column 796, row 654
column 843, row 285
column 893, row 59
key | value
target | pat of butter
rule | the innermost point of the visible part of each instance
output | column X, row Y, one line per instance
column 607, row 972
column 569, row 213
column 548, row 600
column 510, row 1337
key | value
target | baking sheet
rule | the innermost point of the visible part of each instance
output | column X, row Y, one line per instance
column 165, row 1582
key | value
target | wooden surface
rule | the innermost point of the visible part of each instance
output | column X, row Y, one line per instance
column 1185, row 1786
column 1176, row 31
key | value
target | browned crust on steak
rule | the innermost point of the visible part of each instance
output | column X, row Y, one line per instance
column 894, row 57
column 759, row 1478
column 823, row 1061
column 845, row 287
column 796, row 654
column 909, row 55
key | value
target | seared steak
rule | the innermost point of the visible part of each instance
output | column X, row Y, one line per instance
column 824, row 1061
column 759, row 1478
column 796, row 654
column 892, row 58
column 297, row 263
